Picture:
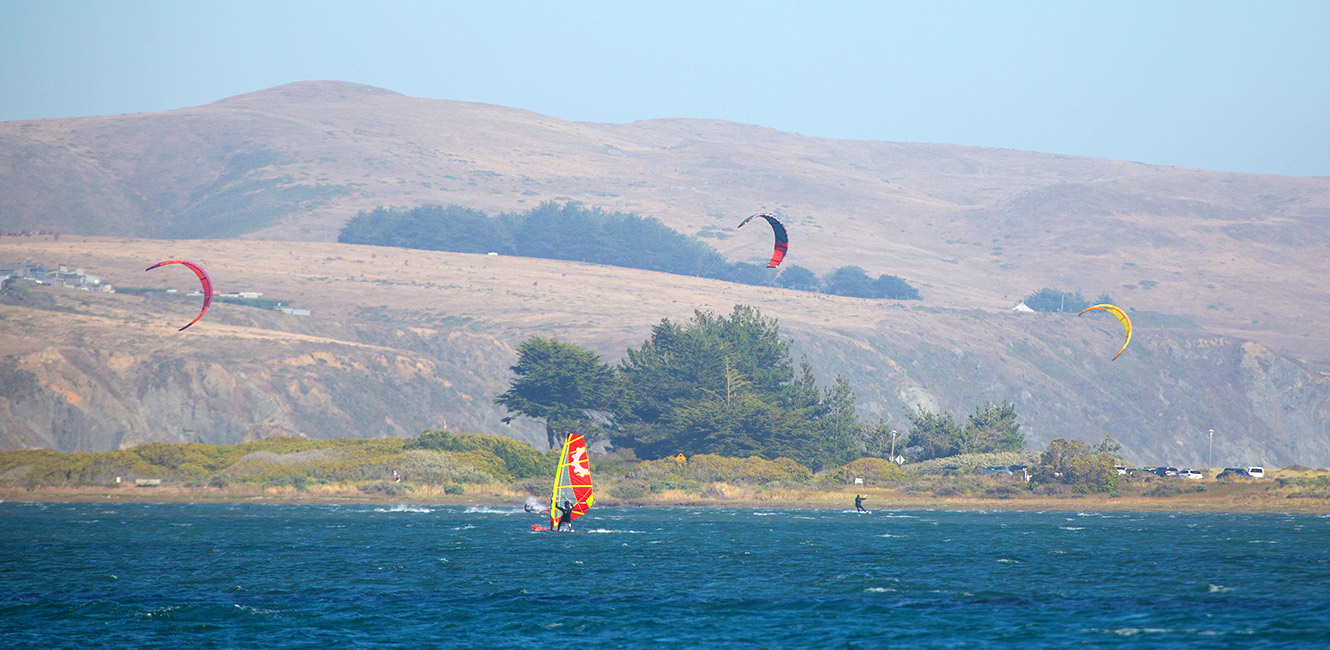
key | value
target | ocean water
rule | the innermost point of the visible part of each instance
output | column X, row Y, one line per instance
column 281, row 576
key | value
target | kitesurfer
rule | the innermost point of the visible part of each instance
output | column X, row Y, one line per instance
column 859, row 503
column 527, row 507
column 567, row 516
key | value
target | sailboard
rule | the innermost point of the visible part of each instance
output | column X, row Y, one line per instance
column 572, row 482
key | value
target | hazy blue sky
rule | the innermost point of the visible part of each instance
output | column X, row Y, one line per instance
column 1235, row 86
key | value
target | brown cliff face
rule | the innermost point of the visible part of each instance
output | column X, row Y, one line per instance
column 393, row 348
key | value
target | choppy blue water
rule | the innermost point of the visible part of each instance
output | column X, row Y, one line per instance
column 265, row 576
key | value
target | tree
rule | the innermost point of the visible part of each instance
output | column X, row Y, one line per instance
column 878, row 443
column 934, row 435
column 890, row 286
column 726, row 385
column 563, row 383
column 1053, row 300
column 993, row 427
column 1108, row 446
column 849, row 281
column 1074, row 463
column 841, row 429
column 799, row 278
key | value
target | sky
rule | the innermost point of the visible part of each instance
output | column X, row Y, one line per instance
column 1228, row 86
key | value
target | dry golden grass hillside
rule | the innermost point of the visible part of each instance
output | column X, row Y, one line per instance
column 1241, row 254
column 400, row 341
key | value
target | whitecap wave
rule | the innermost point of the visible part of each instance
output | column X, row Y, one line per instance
column 404, row 508
column 491, row 510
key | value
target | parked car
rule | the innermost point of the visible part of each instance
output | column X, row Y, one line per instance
column 996, row 469
column 1234, row 472
column 1256, row 472
column 1166, row 471
column 1191, row 474
column 1121, row 469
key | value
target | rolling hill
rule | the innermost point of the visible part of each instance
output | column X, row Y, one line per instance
column 1223, row 272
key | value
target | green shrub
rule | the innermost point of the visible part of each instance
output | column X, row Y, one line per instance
column 1162, row 490
column 516, row 459
column 872, row 470
column 707, row 468
column 629, row 489
column 438, row 468
column 297, row 481
column 387, row 488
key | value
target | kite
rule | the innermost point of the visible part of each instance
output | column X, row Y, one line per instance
column 782, row 239
column 203, row 277
column 1122, row 316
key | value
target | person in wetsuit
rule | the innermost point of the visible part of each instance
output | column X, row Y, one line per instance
column 859, row 503
column 567, row 516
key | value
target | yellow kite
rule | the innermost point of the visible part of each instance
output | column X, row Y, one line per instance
column 1122, row 316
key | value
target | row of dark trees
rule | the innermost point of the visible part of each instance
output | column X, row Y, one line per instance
column 992, row 427
column 568, row 231
column 714, row 385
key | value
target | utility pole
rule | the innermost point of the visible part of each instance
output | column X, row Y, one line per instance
column 1212, row 449
column 893, row 445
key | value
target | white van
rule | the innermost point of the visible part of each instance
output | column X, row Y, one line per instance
column 1256, row 472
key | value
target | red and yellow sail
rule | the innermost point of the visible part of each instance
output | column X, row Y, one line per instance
column 572, row 481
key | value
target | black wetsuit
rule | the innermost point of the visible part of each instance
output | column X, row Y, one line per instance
column 566, row 517
column 859, row 503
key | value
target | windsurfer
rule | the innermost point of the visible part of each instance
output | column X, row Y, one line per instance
column 859, row 503
column 567, row 516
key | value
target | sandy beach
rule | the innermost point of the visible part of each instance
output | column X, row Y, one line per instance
column 1266, row 496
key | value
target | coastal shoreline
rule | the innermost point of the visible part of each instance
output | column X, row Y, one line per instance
column 1247, row 501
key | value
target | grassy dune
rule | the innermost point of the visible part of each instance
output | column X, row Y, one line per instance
column 288, row 470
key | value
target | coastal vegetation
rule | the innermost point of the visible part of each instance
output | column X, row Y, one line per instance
column 720, row 385
column 442, row 466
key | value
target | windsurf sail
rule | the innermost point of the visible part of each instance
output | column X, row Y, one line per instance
column 572, row 480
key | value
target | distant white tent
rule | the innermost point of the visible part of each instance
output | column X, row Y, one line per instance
column 1022, row 307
